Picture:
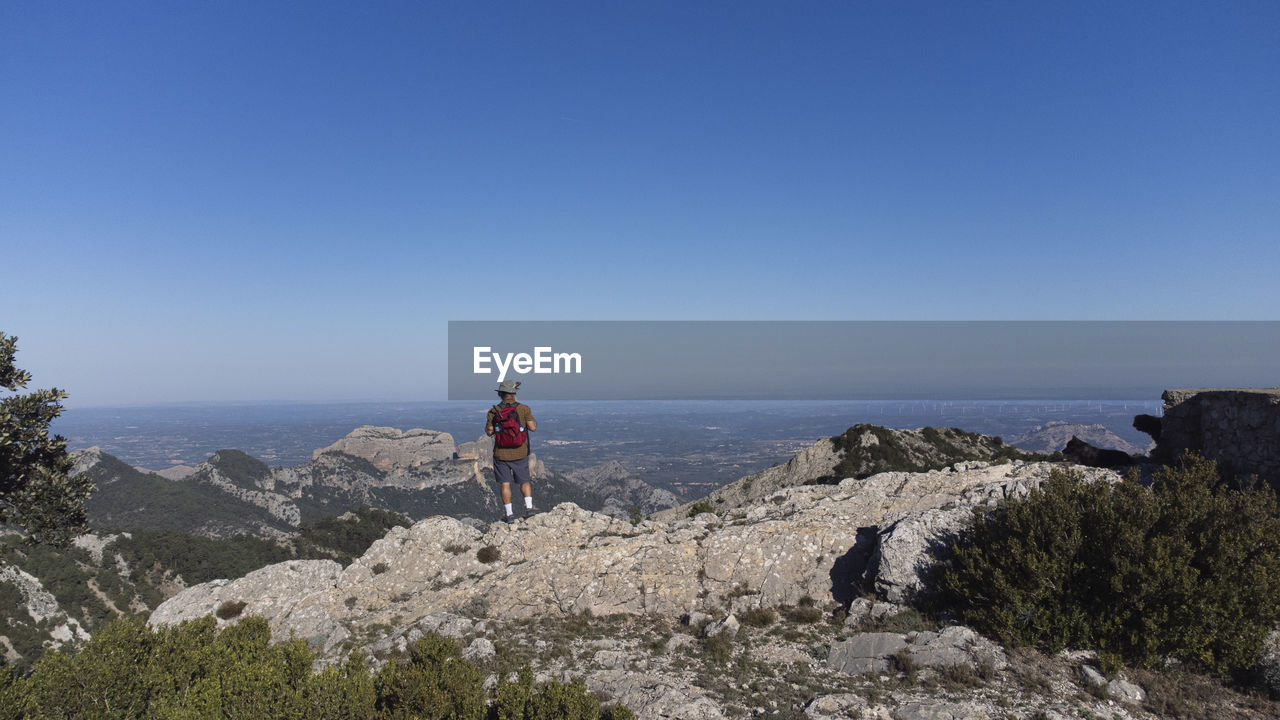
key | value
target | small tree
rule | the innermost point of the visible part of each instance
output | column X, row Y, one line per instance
column 36, row 489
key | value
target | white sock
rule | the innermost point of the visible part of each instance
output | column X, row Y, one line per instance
column 528, row 502
column 508, row 507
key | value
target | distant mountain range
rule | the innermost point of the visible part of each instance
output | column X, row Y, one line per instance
column 418, row 473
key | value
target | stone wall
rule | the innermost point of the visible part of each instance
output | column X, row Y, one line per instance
column 1240, row 428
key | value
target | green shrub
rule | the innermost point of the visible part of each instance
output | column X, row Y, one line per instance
column 433, row 682
column 759, row 617
column 231, row 609
column 1188, row 568
column 702, row 506
column 522, row 700
column 803, row 614
column 129, row 670
column 348, row 537
column 903, row 662
column 718, row 648
column 13, row 695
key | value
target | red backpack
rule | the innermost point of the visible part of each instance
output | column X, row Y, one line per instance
column 507, row 430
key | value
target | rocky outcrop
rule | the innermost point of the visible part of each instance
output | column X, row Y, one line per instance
column 1053, row 437
column 904, row 550
column 271, row 595
column 1082, row 453
column 859, row 452
column 278, row 506
column 589, row 596
column 42, row 609
column 392, row 451
column 814, row 463
column 877, row 652
column 1239, row 428
column 85, row 460
column 802, row 542
column 869, row 449
column 621, row 490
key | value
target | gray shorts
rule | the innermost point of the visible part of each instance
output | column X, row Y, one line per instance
column 503, row 470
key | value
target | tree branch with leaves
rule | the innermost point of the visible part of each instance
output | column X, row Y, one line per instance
column 37, row 491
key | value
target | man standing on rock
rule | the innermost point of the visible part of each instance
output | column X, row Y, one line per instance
column 509, row 424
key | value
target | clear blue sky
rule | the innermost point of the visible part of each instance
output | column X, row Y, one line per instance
column 288, row 201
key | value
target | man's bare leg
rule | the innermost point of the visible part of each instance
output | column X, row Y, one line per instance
column 506, row 502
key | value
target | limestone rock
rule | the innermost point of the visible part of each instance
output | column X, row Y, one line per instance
column 42, row 607
column 906, row 547
column 1269, row 664
column 845, row 706
column 956, row 646
column 278, row 506
column 621, row 490
column 905, row 551
column 1125, row 691
column 284, row 594
column 1092, row 676
column 84, row 460
column 727, row 625
column 808, row 541
column 866, row 610
column 866, row 653
column 655, row 696
column 946, row 710
column 812, row 463
column 391, row 450
column 679, row 642
column 480, row 649
column 697, row 619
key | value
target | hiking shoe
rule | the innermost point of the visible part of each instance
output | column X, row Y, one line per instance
column 530, row 512
column 510, row 519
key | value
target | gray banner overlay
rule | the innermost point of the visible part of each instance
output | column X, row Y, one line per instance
column 858, row 360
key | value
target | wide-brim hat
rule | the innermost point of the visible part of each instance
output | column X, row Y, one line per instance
column 508, row 387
